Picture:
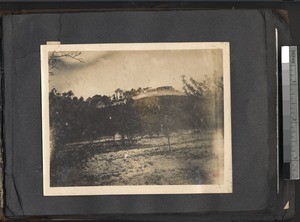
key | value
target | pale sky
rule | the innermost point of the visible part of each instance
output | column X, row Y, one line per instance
column 103, row 72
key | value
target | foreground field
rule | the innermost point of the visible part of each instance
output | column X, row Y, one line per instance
column 192, row 159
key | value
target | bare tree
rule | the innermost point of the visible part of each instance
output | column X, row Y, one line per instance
column 57, row 57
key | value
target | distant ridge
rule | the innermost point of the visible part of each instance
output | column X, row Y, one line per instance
column 159, row 91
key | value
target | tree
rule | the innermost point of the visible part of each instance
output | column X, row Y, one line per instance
column 205, row 101
column 96, row 99
column 171, row 116
column 127, row 122
column 56, row 58
column 161, row 115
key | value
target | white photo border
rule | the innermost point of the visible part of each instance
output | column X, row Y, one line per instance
column 226, row 187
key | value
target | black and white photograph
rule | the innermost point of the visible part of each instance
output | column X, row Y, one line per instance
column 138, row 118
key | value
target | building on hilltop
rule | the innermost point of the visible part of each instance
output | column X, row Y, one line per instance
column 118, row 98
column 159, row 91
column 118, row 95
column 121, row 97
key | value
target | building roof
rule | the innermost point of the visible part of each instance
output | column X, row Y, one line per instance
column 160, row 91
column 118, row 90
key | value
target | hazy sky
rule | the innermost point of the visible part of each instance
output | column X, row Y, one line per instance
column 103, row 72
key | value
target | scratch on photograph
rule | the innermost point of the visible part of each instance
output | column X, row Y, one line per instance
column 148, row 118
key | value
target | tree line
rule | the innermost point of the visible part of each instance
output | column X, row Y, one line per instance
column 74, row 119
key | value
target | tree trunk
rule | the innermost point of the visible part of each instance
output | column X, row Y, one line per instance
column 169, row 143
column 123, row 140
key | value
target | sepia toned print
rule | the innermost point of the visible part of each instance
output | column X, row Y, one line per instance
column 147, row 118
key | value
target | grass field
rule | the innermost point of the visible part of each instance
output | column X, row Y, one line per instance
column 193, row 159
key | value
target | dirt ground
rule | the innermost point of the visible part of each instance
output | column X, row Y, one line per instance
column 192, row 159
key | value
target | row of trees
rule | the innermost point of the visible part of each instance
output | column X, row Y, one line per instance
column 75, row 119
